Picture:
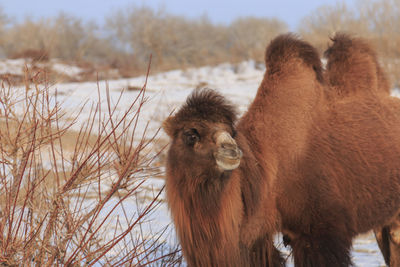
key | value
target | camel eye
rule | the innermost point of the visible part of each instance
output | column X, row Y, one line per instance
column 191, row 137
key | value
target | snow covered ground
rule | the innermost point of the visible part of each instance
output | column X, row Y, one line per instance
column 165, row 93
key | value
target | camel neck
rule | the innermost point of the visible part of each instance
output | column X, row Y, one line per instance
column 206, row 215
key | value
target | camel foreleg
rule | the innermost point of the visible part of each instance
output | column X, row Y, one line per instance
column 388, row 239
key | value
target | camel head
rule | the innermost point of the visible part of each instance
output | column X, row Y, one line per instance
column 202, row 133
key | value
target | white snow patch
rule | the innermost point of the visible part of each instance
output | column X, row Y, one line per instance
column 14, row 66
column 68, row 70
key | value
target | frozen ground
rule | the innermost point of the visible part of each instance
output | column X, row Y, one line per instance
column 165, row 93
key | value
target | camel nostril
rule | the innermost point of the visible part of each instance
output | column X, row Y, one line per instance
column 230, row 151
column 227, row 154
column 229, row 146
column 286, row 240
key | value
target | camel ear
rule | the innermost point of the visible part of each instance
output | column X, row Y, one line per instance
column 168, row 126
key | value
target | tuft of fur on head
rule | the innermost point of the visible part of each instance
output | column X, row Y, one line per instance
column 202, row 105
column 353, row 66
column 288, row 46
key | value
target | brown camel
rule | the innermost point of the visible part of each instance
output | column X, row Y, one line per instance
column 214, row 188
column 353, row 65
column 315, row 169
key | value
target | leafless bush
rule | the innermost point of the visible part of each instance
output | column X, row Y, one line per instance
column 4, row 20
column 177, row 42
column 63, row 36
column 35, row 55
column 173, row 41
column 326, row 20
column 28, row 35
column 64, row 195
column 249, row 36
column 384, row 30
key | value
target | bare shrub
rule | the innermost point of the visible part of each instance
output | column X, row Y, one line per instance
column 27, row 35
column 384, row 31
column 64, row 195
column 178, row 42
column 130, row 35
column 4, row 21
column 35, row 55
column 249, row 36
column 326, row 20
column 63, row 36
column 173, row 41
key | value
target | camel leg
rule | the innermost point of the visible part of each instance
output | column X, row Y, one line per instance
column 324, row 249
column 388, row 239
column 383, row 238
column 264, row 253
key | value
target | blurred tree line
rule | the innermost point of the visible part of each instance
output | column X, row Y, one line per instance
column 128, row 36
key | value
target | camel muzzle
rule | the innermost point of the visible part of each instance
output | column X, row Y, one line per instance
column 228, row 154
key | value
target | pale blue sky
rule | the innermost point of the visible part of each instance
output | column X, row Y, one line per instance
column 220, row 11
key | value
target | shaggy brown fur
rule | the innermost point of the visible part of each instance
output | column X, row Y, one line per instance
column 344, row 179
column 319, row 168
column 348, row 56
column 353, row 67
column 211, row 208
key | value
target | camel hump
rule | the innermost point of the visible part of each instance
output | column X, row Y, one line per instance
column 353, row 66
column 285, row 47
